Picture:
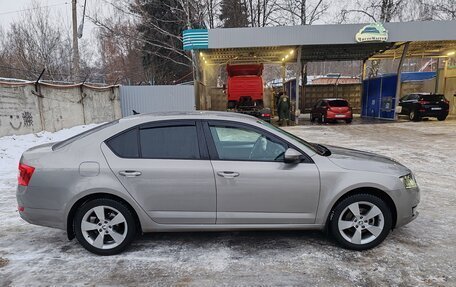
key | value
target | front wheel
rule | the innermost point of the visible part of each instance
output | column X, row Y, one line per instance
column 360, row 222
column 413, row 116
column 104, row 226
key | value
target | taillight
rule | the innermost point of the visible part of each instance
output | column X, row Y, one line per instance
column 25, row 174
column 446, row 101
column 423, row 102
column 265, row 115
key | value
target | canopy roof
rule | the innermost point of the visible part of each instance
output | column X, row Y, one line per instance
column 327, row 43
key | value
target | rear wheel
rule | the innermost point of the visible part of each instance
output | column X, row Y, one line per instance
column 104, row 226
column 348, row 121
column 312, row 119
column 360, row 222
column 441, row 118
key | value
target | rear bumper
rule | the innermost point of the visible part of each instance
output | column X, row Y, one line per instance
column 339, row 116
column 38, row 216
column 429, row 113
column 43, row 217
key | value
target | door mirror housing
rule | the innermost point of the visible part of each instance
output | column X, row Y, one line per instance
column 292, row 156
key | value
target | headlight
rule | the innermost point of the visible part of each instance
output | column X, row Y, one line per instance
column 409, row 181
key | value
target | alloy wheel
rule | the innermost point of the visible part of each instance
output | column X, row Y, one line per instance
column 104, row 227
column 361, row 222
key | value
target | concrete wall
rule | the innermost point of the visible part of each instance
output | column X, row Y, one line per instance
column 24, row 109
column 426, row 86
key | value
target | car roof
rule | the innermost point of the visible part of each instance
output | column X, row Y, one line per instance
column 334, row 99
column 156, row 116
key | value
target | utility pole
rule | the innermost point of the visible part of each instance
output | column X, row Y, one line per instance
column 75, row 43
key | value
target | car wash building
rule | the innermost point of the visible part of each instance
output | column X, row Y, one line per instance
column 299, row 45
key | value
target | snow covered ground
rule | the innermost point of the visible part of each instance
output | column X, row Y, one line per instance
column 422, row 253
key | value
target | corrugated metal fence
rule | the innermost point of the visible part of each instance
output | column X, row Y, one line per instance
column 148, row 99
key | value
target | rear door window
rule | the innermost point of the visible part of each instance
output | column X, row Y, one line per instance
column 169, row 142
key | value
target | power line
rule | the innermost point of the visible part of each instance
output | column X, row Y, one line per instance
column 35, row 8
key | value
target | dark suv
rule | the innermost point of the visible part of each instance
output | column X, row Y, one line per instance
column 420, row 105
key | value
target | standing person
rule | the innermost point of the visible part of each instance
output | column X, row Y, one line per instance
column 284, row 110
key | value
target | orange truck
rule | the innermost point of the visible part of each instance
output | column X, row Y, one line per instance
column 245, row 90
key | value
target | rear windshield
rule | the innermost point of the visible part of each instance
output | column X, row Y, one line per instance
column 432, row 98
column 82, row 135
column 338, row 103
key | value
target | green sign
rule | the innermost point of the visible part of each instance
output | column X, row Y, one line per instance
column 372, row 33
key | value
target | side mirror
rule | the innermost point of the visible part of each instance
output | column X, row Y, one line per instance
column 292, row 156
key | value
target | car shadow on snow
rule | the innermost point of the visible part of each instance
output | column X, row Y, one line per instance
column 242, row 241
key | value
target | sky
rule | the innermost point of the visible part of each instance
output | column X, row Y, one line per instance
column 60, row 10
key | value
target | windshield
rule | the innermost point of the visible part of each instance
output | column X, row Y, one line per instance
column 319, row 149
column 83, row 134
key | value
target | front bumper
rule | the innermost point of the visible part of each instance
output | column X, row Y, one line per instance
column 406, row 201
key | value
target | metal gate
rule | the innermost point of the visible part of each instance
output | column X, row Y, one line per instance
column 148, row 99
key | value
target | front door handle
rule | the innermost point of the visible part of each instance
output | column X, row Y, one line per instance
column 228, row 174
column 130, row 173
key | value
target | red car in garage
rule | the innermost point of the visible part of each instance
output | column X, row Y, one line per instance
column 331, row 110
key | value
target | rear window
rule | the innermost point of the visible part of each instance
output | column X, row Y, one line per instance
column 432, row 98
column 338, row 103
column 82, row 135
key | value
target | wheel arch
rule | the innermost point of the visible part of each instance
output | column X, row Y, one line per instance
column 92, row 196
column 366, row 190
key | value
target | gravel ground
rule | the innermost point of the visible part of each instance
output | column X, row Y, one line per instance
column 422, row 253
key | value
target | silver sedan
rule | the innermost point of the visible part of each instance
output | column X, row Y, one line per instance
column 209, row 171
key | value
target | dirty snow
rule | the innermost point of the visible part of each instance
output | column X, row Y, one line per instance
column 422, row 253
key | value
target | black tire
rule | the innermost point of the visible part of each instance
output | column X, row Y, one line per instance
column 441, row 118
column 312, row 119
column 363, row 200
column 413, row 116
column 348, row 121
column 128, row 226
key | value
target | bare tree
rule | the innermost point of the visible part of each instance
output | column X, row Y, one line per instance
column 121, row 55
column 374, row 10
column 446, row 9
column 212, row 11
column 262, row 12
column 34, row 43
column 304, row 12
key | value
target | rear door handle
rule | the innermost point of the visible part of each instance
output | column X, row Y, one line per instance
column 130, row 173
column 228, row 174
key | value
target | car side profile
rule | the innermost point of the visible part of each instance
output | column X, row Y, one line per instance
column 209, row 171
column 423, row 105
column 331, row 110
